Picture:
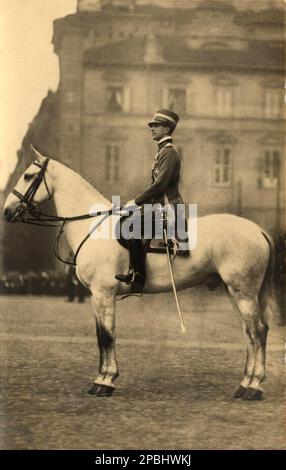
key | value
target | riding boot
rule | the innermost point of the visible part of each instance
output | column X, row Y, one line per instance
column 137, row 273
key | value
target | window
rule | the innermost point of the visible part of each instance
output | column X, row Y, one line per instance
column 177, row 98
column 270, row 168
column 112, row 157
column 273, row 104
column 115, row 99
column 224, row 101
column 118, row 99
column 222, row 167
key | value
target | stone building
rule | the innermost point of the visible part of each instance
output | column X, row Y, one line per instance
column 219, row 64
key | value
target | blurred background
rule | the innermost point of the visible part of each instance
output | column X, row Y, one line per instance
column 218, row 64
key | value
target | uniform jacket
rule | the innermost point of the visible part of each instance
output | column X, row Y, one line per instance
column 165, row 177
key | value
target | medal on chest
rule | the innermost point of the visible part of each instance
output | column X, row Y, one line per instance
column 155, row 167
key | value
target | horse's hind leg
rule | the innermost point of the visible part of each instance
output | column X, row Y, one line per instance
column 256, row 334
column 104, row 308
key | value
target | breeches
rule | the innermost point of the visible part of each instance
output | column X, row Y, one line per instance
column 149, row 222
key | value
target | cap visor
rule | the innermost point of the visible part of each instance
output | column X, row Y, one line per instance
column 157, row 121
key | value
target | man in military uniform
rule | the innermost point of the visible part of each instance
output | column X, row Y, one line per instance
column 163, row 189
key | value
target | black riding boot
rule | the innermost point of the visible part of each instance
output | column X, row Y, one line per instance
column 137, row 273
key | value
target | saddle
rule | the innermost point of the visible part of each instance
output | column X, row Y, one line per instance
column 151, row 245
column 138, row 249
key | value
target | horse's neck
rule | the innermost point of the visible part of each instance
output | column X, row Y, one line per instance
column 74, row 196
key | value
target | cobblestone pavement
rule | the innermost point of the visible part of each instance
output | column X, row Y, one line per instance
column 174, row 390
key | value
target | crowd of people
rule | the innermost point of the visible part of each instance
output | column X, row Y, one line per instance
column 42, row 283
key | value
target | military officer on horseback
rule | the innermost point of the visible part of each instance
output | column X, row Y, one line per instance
column 164, row 189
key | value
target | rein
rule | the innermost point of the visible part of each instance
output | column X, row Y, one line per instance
column 49, row 220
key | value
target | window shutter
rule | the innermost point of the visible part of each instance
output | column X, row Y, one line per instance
column 126, row 99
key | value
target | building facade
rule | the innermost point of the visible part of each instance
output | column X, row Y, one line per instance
column 219, row 64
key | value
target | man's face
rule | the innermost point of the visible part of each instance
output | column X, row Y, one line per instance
column 158, row 131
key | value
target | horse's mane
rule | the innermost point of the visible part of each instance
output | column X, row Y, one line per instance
column 83, row 177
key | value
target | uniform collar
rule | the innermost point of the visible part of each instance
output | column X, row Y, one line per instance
column 165, row 140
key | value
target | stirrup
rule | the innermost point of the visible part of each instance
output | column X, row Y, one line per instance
column 127, row 278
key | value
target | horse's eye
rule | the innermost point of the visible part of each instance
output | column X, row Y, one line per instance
column 28, row 177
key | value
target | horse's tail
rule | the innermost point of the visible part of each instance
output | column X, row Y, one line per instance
column 268, row 298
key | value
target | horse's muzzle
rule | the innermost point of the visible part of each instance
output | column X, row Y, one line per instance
column 7, row 214
column 13, row 217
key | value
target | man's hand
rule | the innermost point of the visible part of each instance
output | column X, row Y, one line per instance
column 130, row 203
column 130, row 206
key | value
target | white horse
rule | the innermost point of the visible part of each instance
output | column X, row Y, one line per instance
column 235, row 248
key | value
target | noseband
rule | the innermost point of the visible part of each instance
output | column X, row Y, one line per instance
column 27, row 198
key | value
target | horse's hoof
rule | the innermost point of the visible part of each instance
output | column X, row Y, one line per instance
column 240, row 392
column 93, row 389
column 253, row 394
column 104, row 391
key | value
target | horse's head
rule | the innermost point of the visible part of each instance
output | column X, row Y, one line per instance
column 31, row 188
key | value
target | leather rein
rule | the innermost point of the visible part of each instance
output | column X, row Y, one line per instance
column 49, row 220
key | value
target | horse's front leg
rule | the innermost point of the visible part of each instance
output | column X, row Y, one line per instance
column 103, row 302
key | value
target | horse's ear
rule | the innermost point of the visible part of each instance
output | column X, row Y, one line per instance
column 37, row 154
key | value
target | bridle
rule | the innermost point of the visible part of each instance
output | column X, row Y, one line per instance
column 48, row 220
column 27, row 198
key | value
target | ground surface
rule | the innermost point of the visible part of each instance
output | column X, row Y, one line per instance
column 174, row 391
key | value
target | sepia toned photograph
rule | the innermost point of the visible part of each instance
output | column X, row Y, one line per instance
column 143, row 226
